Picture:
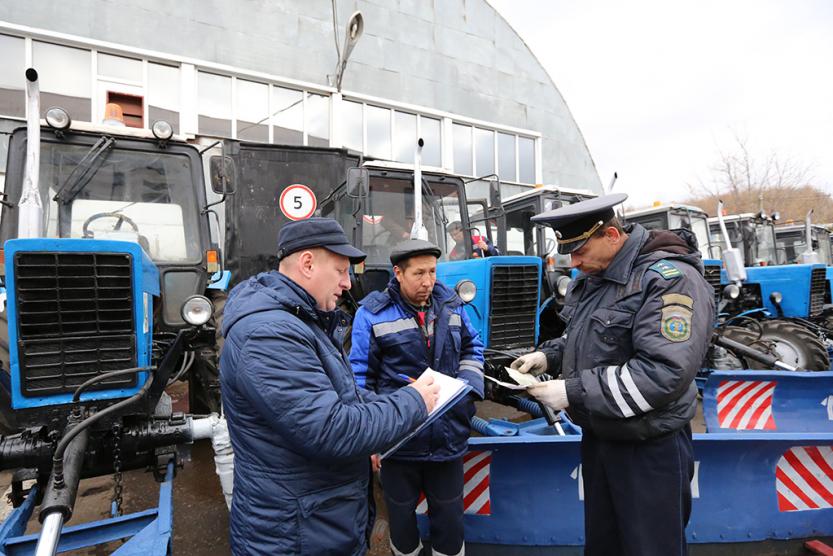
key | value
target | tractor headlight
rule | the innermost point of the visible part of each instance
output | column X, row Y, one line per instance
column 58, row 118
column 466, row 290
column 162, row 130
column 776, row 298
column 732, row 291
column 196, row 310
column 562, row 284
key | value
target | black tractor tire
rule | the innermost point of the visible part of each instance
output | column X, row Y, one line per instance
column 218, row 299
column 790, row 342
column 203, row 378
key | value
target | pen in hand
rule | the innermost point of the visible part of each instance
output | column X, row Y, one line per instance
column 406, row 378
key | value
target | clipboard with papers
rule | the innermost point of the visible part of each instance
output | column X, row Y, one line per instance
column 452, row 390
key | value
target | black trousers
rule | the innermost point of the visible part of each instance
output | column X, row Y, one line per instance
column 637, row 495
column 442, row 483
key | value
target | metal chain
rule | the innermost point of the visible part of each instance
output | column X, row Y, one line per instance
column 117, row 474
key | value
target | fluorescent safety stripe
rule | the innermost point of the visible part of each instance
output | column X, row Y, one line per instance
column 472, row 369
column 455, row 320
column 385, row 328
column 471, row 363
column 625, row 373
column 613, row 385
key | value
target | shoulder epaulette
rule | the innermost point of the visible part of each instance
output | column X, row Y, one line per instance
column 665, row 269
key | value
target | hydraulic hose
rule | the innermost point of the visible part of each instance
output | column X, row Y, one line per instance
column 115, row 409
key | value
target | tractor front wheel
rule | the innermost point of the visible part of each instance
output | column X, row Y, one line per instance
column 790, row 342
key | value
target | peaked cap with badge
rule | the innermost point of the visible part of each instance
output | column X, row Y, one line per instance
column 575, row 224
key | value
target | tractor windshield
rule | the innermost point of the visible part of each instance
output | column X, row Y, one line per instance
column 765, row 241
column 792, row 243
column 698, row 224
column 390, row 215
column 131, row 195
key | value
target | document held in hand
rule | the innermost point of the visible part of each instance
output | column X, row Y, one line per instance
column 452, row 390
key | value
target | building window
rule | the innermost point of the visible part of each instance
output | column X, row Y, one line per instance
column 119, row 68
column 317, row 115
column 12, row 80
column 405, row 137
column 484, row 145
column 131, row 107
column 378, row 132
column 163, row 94
column 431, row 132
column 352, row 121
column 526, row 160
column 462, row 149
column 214, row 104
column 252, row 111
column 64, row 78
column 287, row 116
column 507, row 159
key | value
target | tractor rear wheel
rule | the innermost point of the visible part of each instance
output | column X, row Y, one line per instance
column 790, row 342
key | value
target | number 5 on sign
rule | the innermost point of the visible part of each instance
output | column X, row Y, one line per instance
column 298, row 202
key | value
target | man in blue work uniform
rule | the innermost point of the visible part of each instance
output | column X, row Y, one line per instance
column 639, row 319
column 417, row 322
column 301, row 430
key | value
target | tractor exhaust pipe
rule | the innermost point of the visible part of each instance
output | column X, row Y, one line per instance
column 418, row 231
column 30, row 214
column 732, row 257
column 809, row 256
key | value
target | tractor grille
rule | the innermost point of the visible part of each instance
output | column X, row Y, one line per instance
column 514, row 306
column 818, row 285
column 712, row 275
column 75, row 320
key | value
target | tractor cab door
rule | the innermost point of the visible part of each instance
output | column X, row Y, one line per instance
column 381, row 215
column 275, row 185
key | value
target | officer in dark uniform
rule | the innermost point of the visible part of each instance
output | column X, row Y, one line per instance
column 639, row 318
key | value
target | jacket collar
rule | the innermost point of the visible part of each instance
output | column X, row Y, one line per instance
column 620, row 267
column 376, row 301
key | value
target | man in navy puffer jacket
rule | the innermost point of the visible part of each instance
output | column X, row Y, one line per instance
column 416, row 323
column 302, row 431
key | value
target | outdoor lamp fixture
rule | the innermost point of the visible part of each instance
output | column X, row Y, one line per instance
column 466, row 290
column 355, row 28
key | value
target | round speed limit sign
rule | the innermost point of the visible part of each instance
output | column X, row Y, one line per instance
column 298, row 202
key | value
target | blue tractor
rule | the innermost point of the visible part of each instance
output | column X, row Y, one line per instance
column 103, row 260
column 768, row 305
column 525, row 238
column 760, row 306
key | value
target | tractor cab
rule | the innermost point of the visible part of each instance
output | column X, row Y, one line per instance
column 676, row 216
column 792, row 243
column 137, row 186
column 753, row 233
column 375, row 205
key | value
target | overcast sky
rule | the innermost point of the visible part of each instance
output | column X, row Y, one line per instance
column 659, row 88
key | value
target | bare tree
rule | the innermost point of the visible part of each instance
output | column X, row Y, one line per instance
column 749, row 183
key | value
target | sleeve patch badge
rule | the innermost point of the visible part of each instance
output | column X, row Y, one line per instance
column 675, row 324
column 665, row 269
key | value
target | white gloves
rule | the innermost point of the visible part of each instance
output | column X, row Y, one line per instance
column 534, row 363
column 552, row 393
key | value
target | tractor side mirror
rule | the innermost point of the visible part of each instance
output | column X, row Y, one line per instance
column 494, row 193
column 358, row 182
column 223, row 173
